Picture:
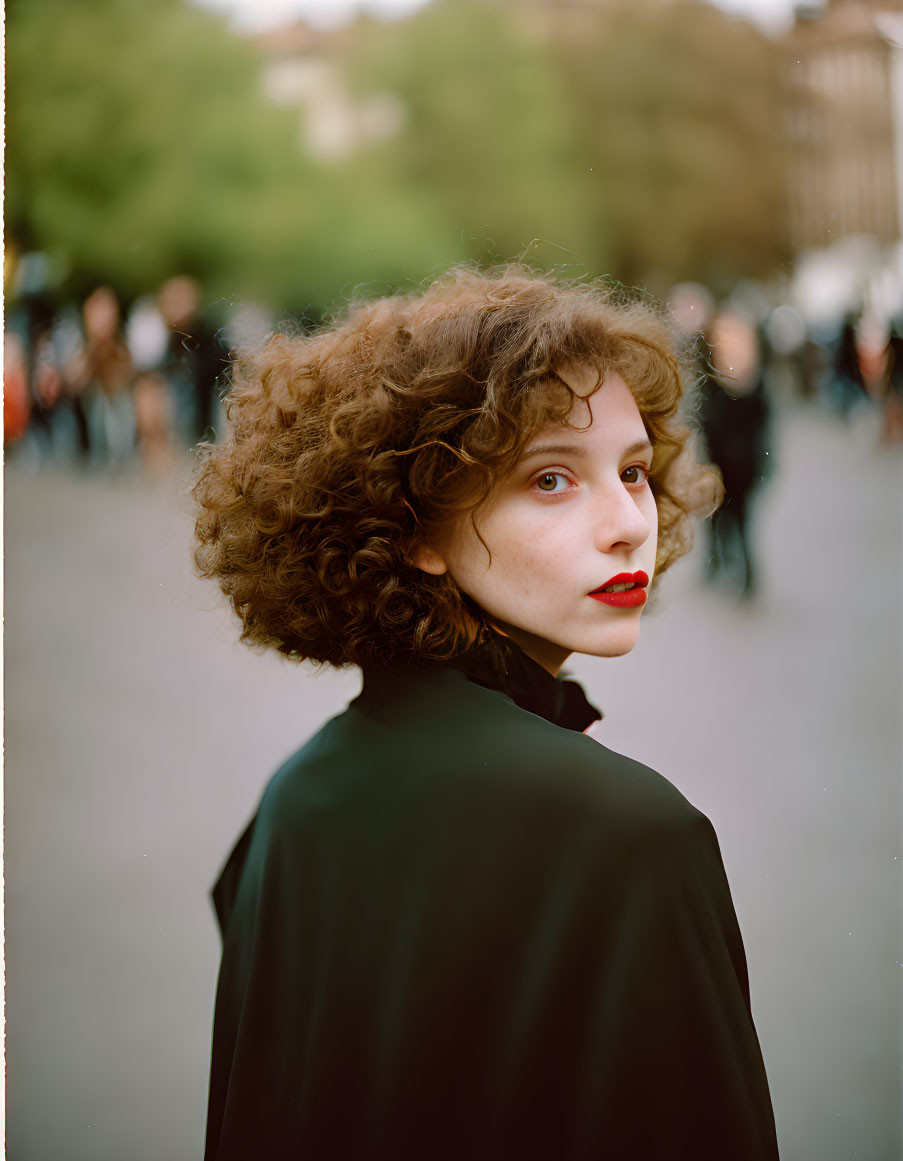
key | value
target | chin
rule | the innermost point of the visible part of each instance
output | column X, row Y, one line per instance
column 615, row 645
column 620, row 651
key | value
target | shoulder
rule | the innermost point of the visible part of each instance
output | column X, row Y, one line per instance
column 443, row 747
column 579, row 777
column 457, row 776
column 466, row 738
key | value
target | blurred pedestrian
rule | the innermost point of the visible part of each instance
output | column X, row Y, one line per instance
column 194, row 359
column 16, row 405
column 154, row 421
column 847, row 383
column 102, row 376
column 735, row 418
column 148, row 338
column 814, row 365
column 57, row 430
column 47, row 392
column 892, row 411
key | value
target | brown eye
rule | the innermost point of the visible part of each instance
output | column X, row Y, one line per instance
column 635, row 474
column 549, row 482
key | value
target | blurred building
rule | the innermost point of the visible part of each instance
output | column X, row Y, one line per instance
column 841, row 102
column 555, row 19
column 303, row 67
column 845, row 123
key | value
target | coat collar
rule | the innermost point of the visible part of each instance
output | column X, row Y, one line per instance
column 507, row 668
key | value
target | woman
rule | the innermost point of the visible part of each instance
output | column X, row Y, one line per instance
column 457, row 927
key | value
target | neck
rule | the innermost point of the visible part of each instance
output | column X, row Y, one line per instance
column 551, row 657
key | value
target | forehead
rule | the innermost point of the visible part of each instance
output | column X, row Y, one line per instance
column 599, row 415
column 582, row 378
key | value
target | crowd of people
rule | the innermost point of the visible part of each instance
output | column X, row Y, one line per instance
column 93, row 386
column 111, row 390
column 751, row 361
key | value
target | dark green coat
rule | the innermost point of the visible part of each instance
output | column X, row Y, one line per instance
column 459, row 929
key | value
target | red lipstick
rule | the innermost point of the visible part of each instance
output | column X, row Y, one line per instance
column 629, row 598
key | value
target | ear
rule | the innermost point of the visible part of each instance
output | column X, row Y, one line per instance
column 430, row 560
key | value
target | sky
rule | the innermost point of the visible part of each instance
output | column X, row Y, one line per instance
column 772, row 15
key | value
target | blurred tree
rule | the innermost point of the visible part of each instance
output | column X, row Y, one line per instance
column 489, row 134
column 643, row 137
column 682, row 116
column 140, row 144
column 138, row 141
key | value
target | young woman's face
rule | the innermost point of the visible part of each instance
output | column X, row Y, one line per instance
column 576, row 512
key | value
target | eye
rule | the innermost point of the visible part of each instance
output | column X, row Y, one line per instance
column 552, row 483
column 635, row 474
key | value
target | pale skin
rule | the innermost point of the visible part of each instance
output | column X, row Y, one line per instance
column 574, row 512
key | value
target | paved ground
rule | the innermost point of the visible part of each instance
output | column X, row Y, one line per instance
column 139, row 735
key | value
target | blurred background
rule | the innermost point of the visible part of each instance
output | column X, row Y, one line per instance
column 185, row 177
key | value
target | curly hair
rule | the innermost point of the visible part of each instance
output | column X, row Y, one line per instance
column 351, row 446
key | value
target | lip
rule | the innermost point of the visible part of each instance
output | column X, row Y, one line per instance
column 630, row 599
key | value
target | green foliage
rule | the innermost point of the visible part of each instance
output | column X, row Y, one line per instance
column 642, row 139
column 138, row 140
column 682, row 114
column 490, row 130
column 644, row 143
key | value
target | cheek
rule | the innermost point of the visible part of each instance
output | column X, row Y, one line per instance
column 526, row 541
column 647, row 505
column 533, row 567
column 521, row 548
column 651, row 514
column 512, row 561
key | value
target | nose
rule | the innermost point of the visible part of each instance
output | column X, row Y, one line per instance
column 620, row 520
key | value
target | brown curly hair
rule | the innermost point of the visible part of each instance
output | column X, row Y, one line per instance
column 351, row 446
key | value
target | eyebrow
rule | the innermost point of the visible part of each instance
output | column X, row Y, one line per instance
column 573, row 449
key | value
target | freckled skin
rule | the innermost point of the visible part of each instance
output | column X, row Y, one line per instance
column 561, row 525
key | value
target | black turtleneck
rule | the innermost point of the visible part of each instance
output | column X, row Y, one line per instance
column 457, row 928
column 533, row 688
